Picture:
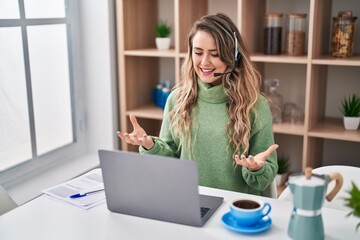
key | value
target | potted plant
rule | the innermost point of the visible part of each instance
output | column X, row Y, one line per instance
column 353, row 202
column 162, row 31
column 283, row 171
column 350, row 108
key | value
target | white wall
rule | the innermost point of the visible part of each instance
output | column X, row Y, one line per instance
column 99, row 63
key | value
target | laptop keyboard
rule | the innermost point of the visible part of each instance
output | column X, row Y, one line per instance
column 203, row 211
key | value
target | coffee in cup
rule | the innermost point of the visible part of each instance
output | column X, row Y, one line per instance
column 249, row 211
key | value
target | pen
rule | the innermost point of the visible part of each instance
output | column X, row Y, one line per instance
column 78, row 195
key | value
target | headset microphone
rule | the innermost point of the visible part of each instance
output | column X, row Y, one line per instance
column 237, row 57
column 219, row 74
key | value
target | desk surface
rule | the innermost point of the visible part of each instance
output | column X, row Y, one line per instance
column 45, row 218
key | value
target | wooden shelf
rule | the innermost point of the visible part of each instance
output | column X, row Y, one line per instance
column 329, row 60
column 149, row 112
column 151, row 52
column 259, row 57
column 290, row 129
column 334, row 129
column 306, row 80
column 182, row 55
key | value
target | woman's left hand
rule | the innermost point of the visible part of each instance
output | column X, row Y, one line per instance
column 254, row 163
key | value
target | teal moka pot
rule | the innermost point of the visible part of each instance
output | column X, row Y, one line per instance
column 309, row 191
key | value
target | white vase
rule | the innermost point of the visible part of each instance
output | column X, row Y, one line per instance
column 281, row 179
column 163, row 43
column 351, row 123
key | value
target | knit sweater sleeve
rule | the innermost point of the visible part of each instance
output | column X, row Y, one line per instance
column 165, row 145
column 262, row 137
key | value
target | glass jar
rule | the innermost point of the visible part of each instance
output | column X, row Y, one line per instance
column 289, row 109
column 272, row 33
column 292, row 114
column 343, row 32
column 295, row 37
column 275, row 104
column 275, row 99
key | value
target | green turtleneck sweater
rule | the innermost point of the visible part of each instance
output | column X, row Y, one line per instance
column 215, row 162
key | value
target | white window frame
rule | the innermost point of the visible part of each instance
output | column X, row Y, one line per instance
column 94, row 126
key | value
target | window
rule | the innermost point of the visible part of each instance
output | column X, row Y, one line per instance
column 38, row 107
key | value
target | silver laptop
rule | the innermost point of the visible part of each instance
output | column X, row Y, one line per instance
column 156, row 187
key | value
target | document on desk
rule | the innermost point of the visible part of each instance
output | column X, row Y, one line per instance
column 89, row 182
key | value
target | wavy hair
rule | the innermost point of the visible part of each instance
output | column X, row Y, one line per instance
column 242, row 86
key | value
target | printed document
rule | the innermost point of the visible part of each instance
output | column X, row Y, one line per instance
column 89, row 182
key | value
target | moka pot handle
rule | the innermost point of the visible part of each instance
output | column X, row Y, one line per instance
column 339, row 182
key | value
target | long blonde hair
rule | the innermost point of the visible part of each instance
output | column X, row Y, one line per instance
column 242, row 86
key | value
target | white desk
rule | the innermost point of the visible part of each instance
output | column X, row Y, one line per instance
column 45, row 218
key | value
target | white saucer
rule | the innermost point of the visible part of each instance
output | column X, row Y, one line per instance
column 229, row 222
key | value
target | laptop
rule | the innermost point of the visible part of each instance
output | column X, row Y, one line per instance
column 155, row 187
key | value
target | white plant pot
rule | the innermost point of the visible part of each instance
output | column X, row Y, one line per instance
column 281, row 179
column 163, row 43
column 351, row 123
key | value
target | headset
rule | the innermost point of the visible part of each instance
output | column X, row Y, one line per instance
column 237, row 56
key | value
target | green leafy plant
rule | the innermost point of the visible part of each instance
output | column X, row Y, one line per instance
column 350, row 106
column 353, row 202
column 283, row 163
column 162, row 29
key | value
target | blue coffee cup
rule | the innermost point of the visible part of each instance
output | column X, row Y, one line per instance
column 249, row 211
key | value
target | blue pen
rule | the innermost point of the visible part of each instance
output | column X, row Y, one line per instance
column 78, row 195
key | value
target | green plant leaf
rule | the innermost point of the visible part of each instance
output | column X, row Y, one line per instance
column 350, row 106
column 353, row 202
column 283, row 163
column 162, row 29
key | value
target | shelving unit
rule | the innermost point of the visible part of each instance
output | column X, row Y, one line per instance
column 310, row 80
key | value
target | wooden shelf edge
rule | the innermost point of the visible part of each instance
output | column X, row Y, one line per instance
column 333, row 128
column 150, row 52
column 258, row 57
column 148, row 112
column 289, row 129
column 329, row 60
column 323, row 60
column 182, row 55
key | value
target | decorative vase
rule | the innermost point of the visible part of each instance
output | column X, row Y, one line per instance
column 163, row 43
column 351, row 123
column 281, row 179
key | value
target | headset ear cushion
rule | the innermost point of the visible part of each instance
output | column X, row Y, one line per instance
column 237, row 57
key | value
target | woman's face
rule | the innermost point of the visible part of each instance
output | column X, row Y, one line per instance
column 205, row 57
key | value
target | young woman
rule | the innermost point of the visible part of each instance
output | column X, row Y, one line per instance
column 216, row 115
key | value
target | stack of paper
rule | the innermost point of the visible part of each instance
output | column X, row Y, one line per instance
column 89, row 182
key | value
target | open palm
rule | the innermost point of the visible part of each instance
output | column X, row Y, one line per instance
column 138, row 135
column 254, row 163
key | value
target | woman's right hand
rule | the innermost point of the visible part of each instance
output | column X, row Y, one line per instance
column 138, row 135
